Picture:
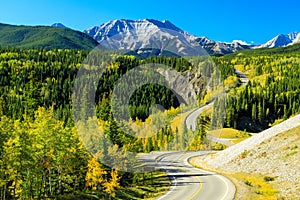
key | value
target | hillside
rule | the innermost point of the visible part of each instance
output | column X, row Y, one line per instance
column 274, row 162
column 278, row 157
column 44, row 37
column 272, row 94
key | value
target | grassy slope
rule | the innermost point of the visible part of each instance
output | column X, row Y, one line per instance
column 44, row 37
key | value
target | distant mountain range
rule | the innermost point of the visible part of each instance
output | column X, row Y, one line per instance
column 149, row 33
column 133, row 35
column 281, row 40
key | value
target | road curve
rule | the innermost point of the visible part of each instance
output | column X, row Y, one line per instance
column 192, row 117
column 189, row 182
column 191, row 120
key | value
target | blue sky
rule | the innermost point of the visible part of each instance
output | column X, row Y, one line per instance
column 221, row 20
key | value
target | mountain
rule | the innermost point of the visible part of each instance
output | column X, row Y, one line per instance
column 281, row 40
column 44, row 37
column 59, row 25
column 297, row 39
column 293, row 35
column 221, row 48
column 142, row 35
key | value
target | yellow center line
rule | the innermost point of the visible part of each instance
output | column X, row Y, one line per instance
column 199, row 180
column 199, row 189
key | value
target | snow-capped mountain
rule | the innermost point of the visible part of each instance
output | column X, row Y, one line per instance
column 293, row 35
column 153, row 34
column 221, row 48
column 60, row 25
column 297, row 39
column 281, row 40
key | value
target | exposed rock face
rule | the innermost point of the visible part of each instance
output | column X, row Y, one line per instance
column 182, row 85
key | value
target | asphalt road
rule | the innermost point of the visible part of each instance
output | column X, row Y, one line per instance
column 191, row 119
column 191, row 124
column 189, row 182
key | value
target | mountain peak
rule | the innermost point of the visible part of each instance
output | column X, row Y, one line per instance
column 59, row 25
column 281, row 40
column 125, row 26
column 140, row 34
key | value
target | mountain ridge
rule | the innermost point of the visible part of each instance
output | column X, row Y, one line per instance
column 146, row 33
column 281, row 40
column 134, row 35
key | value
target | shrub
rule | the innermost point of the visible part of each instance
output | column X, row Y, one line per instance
column 269, row 178
column 248, row 183
column 244, row 154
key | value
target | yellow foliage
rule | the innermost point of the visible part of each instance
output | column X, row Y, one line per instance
column 113, row 184
column 231, row 82
column 113, row 66
column 94, row 175
column 171, row 113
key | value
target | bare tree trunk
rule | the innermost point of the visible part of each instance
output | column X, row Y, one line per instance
column 40, row 189
column 31, row 194
column 44, row 184
column 4, row 192
column 75, row 183
column 59, row 180
column 50, row 184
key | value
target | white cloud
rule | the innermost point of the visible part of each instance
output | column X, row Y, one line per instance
column 240, row 41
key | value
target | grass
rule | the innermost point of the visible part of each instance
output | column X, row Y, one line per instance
column 291, row 154
column 229, row 133
column 235, row 141
column 225, row 133
column 258, row 186
column 179, row 122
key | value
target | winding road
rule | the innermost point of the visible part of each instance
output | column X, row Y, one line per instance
column 189, row 182
column 191, row 119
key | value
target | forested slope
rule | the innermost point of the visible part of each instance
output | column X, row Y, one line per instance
column 44, row 37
